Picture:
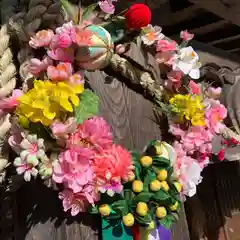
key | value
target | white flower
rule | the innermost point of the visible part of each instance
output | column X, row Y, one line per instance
column 151, row 34
column 187, row 61
column 193, row 178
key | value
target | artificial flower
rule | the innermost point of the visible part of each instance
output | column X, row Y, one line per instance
column 151, row 34
column 25, row 168
column 214, row 115
column 194, row 87
column 164, row 45
column 186, row 36
column 37, row 66
column 42, row 39
column 33, row 149
column 67, row 28
column 107, row 6
column 47, row 100
column 61, row 72
column 9, row 104
column 187, row 61
column 78, row 202
column 76, row 78
column 164, row 57
column 93, row 134
column 113, row 164
column 62, row 131
column 73, row 169
column 138, row 16
column 82, row 36
column 110, row 188
column 60, row 54
column 61, row 40
column 221, row 154
column 188, row 107
column 45, row 167
column 175, row 76
column 213, row 92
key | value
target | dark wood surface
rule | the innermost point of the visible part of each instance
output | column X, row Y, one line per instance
column 39, row 212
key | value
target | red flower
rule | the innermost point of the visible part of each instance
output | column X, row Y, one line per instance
column 234, row 141
column 138, row 16
column 221, row 155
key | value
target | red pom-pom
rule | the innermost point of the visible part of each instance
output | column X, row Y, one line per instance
column 138, row 16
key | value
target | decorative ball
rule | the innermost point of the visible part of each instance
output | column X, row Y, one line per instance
column 161, row 212
column 104, row 210
column 162, row 175
column 138, row 16
column 128, row 220
column 146, row 161
column 99, row 53
column 142, row 209
column 155, row 185
column 137, row 186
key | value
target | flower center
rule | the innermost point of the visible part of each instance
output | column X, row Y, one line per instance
column 85, row 142
column 151, row 36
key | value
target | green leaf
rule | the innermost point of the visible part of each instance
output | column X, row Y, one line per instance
column 120, row 206
column 93, row 209
column 144, row 220
column 71, row 10
column 167, row 221
column 88, row 106
column 88, row 10
column 147, row 179
column 141, row 197
column 161, row 162
column 162, row 197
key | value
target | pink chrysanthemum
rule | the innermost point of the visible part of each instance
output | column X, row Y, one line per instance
column 114, row 164
column 93, row 134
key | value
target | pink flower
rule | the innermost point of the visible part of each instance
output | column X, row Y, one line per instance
column 164, row 57
column 36, row 66
column 61, row 72
column 214, row 92
column 110, row 188
column 78, row 202
column 165, row 45
column 61, row 131
column 214, row 116
column 186, row 36
column 76, row 78
column 42, row 39
column 107, row 6
column 221, row 155
column 60, row 54
column 10, row 103
column 175, row 76
column 93, row 134
column 176, row 130
column 194, row 88
column 114, row 163
column 73, row 169
column 62, row 40
column 82, row 37
column 66, row 28
column 195, row 138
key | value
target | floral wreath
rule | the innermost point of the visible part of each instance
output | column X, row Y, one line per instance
column 57, row 134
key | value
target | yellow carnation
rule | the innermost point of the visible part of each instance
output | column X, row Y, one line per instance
column 47, row 100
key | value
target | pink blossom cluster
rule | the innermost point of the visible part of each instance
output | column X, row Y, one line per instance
column 89, row 164
column 193, row 145
column 60, row 47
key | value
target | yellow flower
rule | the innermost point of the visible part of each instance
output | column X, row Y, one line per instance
column 162, row 175
column 155, row 185
column 137, row 186
column 142, row 209
column 104, row 210
column 161, row 212
column 146, row 161
column 188, row 107
column 47, row 100
column 174, row 207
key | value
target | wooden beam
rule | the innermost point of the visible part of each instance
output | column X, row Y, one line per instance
column 228, row 39
column 231, row 13
column 167, row 18
column 209, row 28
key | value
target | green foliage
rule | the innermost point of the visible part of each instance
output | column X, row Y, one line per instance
column 88, row 106
column 88, row 10
column 120, row 207
column 71, row 10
